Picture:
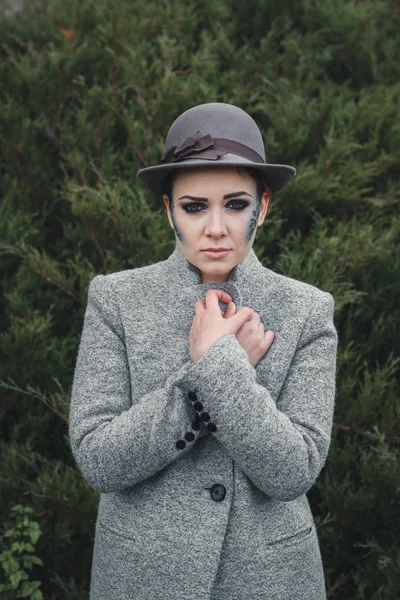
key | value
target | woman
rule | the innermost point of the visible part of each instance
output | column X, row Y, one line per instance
column 203, row 393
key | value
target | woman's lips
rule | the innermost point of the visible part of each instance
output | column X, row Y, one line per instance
column 213, row 254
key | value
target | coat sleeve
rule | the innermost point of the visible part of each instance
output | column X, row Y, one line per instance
column 281, row 447
column 114, row 443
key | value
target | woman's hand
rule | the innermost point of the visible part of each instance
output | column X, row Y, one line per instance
column 251, row 335
column 209, row 324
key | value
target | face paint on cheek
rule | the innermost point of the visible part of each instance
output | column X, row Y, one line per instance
column 176, row 229
column 253, row 221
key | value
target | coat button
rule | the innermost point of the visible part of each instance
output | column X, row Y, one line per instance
column 189, row 436
column 217, row 492
column 192, row 396
column 198, row 406
column 180, row 444
column 205, row 416
column 196, row 425
column 211, row 427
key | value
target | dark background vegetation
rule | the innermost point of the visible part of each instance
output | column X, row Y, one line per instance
column 88, row 90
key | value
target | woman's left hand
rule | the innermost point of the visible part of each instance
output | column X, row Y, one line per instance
column 209, row 323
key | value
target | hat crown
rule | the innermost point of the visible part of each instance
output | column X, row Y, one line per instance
column 219, row 120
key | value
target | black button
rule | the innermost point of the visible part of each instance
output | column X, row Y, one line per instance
column 189, row 436
column 180, row 444
column 205, row 416
column 198, row 406
column 192, row 396
column 217, row 492
column 211, row 426
column 196, row 425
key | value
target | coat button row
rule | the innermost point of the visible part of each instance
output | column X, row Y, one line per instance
column 204, row 416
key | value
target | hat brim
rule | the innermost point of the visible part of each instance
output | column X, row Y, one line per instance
column 276, row 176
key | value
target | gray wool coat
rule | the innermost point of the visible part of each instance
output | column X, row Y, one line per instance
column 203, row 468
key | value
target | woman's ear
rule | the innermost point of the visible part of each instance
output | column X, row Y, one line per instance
column 166, row 202
column 265, row 198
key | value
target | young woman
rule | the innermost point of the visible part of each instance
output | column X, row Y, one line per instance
column 203, row 393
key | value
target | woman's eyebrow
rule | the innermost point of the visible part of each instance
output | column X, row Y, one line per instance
column 231, row 195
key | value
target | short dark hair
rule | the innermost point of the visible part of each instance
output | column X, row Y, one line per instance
column 255, row 174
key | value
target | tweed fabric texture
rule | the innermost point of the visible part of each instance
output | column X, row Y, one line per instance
column 159, row 534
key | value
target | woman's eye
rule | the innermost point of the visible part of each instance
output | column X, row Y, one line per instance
column 240, row 206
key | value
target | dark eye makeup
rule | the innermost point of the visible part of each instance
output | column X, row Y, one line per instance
column 242, row 205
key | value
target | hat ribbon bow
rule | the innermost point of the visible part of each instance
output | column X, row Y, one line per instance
column 191, row 147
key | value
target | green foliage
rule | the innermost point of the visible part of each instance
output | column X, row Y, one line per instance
column 20, row 556
column 87, row 93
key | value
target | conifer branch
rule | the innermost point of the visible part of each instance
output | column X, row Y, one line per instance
column 49, row 129
column 101, row 182
column 20, row 42
column 326, row 167
column 27, row 260
column 34, row 394
column 91, row 235
column 136, row 149
column 184, row 71
column 390, row 439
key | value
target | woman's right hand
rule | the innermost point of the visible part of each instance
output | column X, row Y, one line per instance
column 251, row 336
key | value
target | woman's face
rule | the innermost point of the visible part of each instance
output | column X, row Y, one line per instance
column 202, row 217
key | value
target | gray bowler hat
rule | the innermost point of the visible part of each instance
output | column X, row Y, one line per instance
column 214, row 134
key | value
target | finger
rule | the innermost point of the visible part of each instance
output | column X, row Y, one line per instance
column 231, row 310
column 212, row 297
column 199, row 307
column 269, row 337
column 255, row 315
column 243, row 314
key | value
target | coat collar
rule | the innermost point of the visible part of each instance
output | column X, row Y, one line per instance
column 183, row 280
